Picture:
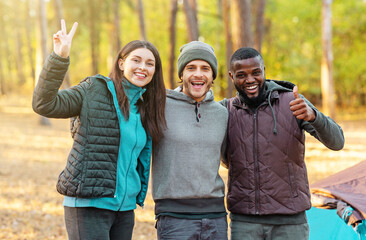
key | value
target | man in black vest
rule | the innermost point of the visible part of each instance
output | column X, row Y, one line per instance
column 268, row 184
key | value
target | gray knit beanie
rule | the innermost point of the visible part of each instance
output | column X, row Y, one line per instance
column 197, row 50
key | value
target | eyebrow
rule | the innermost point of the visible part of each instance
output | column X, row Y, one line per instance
column 149, row 59
column 195, row 65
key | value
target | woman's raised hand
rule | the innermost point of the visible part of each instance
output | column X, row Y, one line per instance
column 62, row 40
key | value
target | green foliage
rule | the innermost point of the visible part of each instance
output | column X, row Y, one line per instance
column 349, row 49
column 292, row 47
column 292, row 42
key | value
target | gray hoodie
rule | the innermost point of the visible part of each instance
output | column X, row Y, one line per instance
column 185, row 163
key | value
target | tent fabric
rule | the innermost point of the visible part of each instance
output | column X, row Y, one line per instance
column 348, row 186
column 325, row 224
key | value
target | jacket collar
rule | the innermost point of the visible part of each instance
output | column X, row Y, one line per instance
column 179, row 95
column 133, row 92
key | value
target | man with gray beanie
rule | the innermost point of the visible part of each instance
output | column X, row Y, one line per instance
column 187, row 188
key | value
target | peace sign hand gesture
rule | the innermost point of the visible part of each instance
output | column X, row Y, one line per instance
column 62, row 40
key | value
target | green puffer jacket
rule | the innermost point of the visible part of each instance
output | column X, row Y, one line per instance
column 92, row 163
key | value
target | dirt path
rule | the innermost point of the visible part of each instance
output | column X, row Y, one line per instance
column 32, row 156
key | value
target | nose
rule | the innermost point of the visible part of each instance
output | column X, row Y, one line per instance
column 142, row 66
column 250, row 79
column 198, row 73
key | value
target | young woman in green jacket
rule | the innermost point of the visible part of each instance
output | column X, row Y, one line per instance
column 120, row 118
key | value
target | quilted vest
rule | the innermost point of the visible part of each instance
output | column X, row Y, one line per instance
column 96, row 138
column 267, row 172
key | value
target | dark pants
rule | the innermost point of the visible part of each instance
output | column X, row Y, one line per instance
column 255, row 231
column 190, row 229
column 85, row 223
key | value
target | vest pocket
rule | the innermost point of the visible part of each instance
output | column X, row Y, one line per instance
column 292, row 180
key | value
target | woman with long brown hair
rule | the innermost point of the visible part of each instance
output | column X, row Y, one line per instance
column 121, row 117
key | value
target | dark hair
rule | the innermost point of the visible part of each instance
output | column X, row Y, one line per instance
column 152, row 108
column 245, row 53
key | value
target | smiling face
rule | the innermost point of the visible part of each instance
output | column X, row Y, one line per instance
column 197, row 77
column 248, row 75
column 138, row 67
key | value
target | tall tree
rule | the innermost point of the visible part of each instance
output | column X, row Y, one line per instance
column 18, row 44
column 28, row 31
column 190, row 10
column 116, row 30
column 328, row 99
column 140, row 9
column 43, row 41
column 229, row 44
column 259, row 26
column 243, row 36
column 2, row 75
column 94, row 35
column 172, row 22
column 60, row 15
column 2, row 86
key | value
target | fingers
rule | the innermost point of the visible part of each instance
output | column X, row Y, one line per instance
column 57, row 35
column 64, row 30
column 296, row 93
column 73, row 29
column 63, row 26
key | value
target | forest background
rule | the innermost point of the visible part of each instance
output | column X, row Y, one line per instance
column 290, row 35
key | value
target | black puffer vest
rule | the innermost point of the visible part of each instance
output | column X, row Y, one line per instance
column 266, row 158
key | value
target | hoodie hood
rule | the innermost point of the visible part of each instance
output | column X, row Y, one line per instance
column 272, row 88
column 281, row 86
column 177, row 94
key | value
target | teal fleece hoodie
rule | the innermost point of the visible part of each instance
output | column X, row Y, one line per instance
column 135, row 145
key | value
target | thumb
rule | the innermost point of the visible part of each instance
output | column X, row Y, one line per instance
column 296, row 94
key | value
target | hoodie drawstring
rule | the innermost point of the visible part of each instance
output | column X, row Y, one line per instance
column 198, row 115
column 273, row 113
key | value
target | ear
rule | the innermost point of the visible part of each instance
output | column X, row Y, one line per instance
column 231, row 76
column 120, row 64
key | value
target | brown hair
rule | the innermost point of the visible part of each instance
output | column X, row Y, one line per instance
column 152, row 107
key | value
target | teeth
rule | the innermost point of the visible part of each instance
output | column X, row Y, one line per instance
column 140, row 74
column 251, row 87
column 198, row 83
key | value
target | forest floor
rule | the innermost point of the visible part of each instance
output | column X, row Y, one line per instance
column 32, row 156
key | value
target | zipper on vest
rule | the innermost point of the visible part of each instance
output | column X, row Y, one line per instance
column 256, row 164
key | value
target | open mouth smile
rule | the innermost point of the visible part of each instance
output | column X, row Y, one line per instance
column 140, row 75
column 198, row 84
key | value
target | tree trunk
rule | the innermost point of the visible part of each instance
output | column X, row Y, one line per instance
column 140, row 9
column 2, row 68
column 43, row 47
column 60, row 15
column 190, row 10
column 328, row 99
column 259, row 25
column 2, row 86
column 229, row 44
column 18, row 40
column 94, row 36
column 172, row 22
column 117, row 31
column 243, row 36
column 9, row 55
column 29, row 25
column 114, row 34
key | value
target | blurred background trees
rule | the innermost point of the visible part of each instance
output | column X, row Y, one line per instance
column 289, row 35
